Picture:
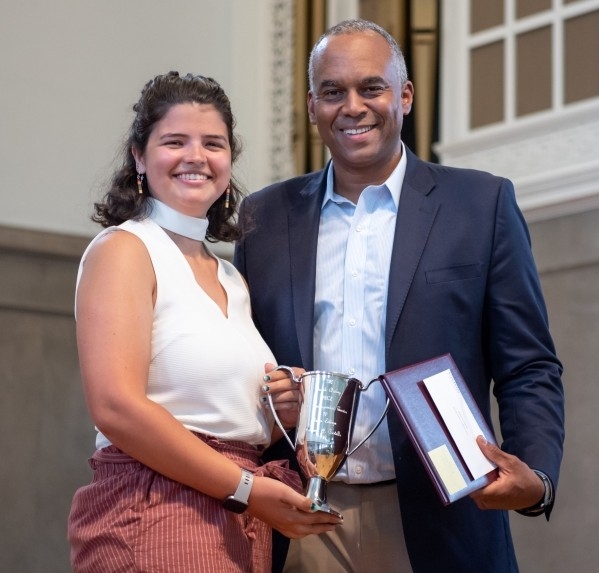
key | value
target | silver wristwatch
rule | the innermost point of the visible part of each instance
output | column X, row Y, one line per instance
column 540, row 507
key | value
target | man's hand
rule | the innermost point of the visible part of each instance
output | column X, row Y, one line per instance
column 516, row 487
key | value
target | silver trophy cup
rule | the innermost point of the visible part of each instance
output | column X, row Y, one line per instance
column 327, row 405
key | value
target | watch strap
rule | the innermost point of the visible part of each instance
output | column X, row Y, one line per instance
column 540, row 507
column 238, row 502
column 242, row 493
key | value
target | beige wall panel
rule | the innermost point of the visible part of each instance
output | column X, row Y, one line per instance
column 567, row 253
column 581, row 57
column 533, row 71
column 485, row 14
column 529, row 7
column 45, row 432
column 486, row 84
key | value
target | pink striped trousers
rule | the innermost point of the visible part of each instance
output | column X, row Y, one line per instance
column 132, row 519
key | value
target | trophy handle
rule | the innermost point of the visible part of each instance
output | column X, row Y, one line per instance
column 362, row 388
column 291, row 373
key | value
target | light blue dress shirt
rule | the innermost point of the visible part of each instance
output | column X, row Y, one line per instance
column 352, row 274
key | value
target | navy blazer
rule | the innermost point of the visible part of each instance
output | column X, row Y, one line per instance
column 462, row 281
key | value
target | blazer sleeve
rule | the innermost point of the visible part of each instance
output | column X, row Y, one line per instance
column 524, row 366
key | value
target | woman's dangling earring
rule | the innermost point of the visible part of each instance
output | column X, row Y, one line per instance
column 227, row 195
column 140, row 180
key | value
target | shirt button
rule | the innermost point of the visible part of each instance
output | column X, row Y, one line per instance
column 354, row 273
column 352, row 322
column 358, row 228
column 352, row 371
column 358, row 470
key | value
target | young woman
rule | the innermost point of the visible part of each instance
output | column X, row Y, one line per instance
column 171, row 362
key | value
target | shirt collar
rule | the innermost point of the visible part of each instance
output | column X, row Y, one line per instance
column 393, row 183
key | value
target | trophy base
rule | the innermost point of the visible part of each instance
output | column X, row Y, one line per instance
column 327, row 509
column 317, row 494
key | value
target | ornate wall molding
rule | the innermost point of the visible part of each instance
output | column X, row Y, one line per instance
column 281, row 90
column 551, row 158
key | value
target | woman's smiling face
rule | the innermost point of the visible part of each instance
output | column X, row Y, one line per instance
column 187, row 160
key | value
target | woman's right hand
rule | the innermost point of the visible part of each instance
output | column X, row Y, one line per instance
column 287, row 511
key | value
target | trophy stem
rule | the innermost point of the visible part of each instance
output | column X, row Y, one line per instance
column 317, row 493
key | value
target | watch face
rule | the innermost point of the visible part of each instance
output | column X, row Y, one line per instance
column 234, row 505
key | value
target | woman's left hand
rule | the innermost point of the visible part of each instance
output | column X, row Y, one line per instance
column 285, row 393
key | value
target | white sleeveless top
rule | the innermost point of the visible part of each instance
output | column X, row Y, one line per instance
column 206, row 369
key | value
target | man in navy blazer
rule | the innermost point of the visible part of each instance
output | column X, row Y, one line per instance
column 461, row 280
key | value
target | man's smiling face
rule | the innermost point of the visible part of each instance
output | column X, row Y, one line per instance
column 358, row 102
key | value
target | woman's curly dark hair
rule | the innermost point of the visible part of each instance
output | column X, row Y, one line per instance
column 122, row 201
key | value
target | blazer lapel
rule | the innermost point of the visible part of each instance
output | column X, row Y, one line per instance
column 304, row 220
column 416, row 213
